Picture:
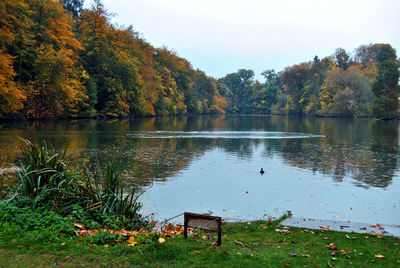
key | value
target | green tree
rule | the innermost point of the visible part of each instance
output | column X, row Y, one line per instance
column 342, row 58
column 240, row 84
column 386, row 86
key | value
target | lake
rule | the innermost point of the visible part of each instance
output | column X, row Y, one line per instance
column 323, row 168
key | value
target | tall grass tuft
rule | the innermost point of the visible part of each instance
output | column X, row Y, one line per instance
column 110, row 196
column 40, row 168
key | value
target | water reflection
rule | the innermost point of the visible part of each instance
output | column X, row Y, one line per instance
column 155, row 149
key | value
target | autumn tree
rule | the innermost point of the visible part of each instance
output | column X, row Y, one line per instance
column 346, row 93
column 14, row 22
column 55, row 87
column 294, row 80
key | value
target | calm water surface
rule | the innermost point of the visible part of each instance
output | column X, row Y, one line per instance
column 325, row 168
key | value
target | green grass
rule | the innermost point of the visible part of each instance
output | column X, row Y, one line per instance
column 247, row 245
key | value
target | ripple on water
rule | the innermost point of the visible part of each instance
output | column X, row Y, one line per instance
column 221, row 135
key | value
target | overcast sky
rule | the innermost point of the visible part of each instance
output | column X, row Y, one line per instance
column 222, row 36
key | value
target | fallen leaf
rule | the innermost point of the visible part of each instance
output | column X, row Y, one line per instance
column 238, row 253
column 306, row 256
column 66, row 258
column 91, row 250
column 80, row 226
column 379, row 256
column 161, row 240
column 332, row 246
column 196, row 252
column 62, row 244
column 131, row 240
column 287, row 264
column 238, row 243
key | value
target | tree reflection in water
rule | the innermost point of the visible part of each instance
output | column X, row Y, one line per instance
column 363, row 149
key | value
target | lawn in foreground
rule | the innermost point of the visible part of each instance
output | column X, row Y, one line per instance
column 244, row 244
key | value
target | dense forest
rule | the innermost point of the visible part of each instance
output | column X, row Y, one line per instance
column 58, row 60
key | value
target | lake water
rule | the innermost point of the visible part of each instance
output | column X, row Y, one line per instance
column 323, row 168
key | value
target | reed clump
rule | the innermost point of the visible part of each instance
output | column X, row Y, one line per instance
column 45, row 182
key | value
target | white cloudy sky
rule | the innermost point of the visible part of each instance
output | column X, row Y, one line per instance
column 222, row 36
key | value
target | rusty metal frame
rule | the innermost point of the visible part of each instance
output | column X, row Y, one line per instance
column 188, row 216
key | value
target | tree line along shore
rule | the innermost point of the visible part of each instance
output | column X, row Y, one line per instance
column 58, row 60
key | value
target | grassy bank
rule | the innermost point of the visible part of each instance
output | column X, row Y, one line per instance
column 252, row 244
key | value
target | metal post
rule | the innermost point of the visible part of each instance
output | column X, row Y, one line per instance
column 185, row 225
